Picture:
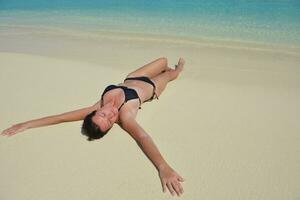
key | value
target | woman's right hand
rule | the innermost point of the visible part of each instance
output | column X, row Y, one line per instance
column 15, row 129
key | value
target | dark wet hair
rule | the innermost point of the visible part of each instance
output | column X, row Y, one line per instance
column 90, row 129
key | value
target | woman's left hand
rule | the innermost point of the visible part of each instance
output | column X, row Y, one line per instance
column 169, row 178
column 15, row 129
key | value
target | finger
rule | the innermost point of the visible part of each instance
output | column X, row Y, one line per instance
column 180, row 188
column 180, row 178
column 6, row 132
column 13, row 133
column 171, row 189
column 9, row 131
column 164, row 188
column 176, row 188
column 163, row 184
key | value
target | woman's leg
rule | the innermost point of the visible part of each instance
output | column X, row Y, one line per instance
column 164, row 78
column 152, row 69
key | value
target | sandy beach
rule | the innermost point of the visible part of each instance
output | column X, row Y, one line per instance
column 229, row 125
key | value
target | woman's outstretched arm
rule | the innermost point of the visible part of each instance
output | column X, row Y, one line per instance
column 75, row 115
column 169, row 178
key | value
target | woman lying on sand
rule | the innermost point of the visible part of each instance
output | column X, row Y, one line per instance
column 119, row 104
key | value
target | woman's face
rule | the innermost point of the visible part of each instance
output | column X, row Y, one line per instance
column 105, row 117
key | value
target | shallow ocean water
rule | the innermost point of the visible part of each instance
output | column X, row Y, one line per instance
column 271, row 21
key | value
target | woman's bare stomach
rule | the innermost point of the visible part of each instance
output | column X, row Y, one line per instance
column 143, row 89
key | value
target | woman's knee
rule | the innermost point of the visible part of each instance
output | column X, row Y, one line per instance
column 163, row 60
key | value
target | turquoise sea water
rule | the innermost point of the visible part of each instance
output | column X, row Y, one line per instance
column 264, row 21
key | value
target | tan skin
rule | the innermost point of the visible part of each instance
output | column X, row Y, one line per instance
column 107, row 115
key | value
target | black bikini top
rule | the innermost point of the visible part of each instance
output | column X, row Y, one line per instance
column 129, row 94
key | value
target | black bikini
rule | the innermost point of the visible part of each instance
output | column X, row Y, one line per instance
column 131, row 93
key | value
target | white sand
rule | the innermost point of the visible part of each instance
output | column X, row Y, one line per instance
column 229, row 125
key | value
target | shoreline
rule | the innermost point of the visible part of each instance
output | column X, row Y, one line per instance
column 135, row 36
column 255, row 30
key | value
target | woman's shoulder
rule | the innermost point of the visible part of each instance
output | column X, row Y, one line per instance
column 126, row 114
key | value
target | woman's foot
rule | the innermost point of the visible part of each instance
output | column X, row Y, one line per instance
column 179, row 66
